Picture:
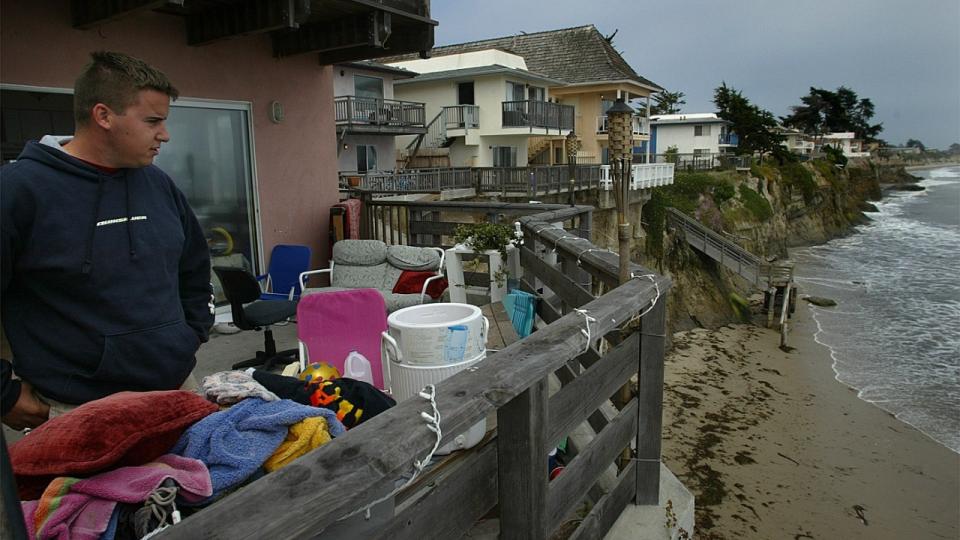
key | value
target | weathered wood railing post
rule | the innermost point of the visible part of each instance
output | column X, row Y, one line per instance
column 521, row 467
column 650, row 398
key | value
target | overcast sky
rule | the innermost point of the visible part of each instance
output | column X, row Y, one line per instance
column 904, row 56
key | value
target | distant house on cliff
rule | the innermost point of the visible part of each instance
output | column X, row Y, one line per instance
column 847, row 142
column 693, row 133
column 543, row 83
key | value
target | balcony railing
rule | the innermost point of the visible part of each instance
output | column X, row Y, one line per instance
column 461, row 117
column 527, row 181
column 364, row 111
column 730, row 139
column 538, row 114
column 642, row 176
column 639, row 126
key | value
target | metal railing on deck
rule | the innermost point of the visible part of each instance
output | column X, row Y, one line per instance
column 507, row 470
column 537, row 114
column 378, row 112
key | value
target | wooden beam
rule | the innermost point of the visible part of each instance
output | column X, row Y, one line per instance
column 650, row 395
column 605, row 513
column 89, row 13
column 568, row 488
column 583, row 395
column 521, row 455
column 358, row 33
column 570, row 292
column 245, row 18
column 472, row 483
column 416, row 38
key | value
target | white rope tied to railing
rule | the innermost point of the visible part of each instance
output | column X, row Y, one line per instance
column 428, row 393
column 653, row 303
column 588, row 333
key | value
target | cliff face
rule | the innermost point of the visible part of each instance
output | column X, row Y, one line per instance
column 766, row 211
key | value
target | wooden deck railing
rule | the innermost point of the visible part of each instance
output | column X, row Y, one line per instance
column 509, row 470
column 366, row 111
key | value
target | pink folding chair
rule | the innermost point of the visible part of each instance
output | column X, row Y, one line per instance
column 332, row 324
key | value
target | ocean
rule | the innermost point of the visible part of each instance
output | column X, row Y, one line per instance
column 895, row 333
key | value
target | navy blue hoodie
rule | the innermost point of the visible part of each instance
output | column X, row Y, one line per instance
column 106, row 278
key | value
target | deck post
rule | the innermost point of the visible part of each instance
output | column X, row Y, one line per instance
column 522, row 469
column 650, row 398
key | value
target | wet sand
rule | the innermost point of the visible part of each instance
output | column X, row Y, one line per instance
column 773, row 446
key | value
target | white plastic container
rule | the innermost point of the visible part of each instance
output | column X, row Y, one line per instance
column 438, row 334
column 407, row 380
column 356, row 366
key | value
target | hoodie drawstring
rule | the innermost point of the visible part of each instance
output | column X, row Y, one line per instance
column 87, row 264
column 133, row 250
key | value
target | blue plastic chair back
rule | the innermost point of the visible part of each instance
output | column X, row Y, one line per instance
column 287, row 262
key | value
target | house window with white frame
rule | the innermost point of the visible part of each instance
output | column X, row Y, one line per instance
column 366, row 158
column 504, row 156
column 700, row 130
column 537, row 93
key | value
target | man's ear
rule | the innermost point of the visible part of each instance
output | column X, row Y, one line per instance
column 102, row 115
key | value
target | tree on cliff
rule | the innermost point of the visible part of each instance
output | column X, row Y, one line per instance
column 754, row 126
column 954, row 149
column 667, row 102
column 914, row 143
column 822, row 111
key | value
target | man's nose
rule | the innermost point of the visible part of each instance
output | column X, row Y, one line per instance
column 164, row 135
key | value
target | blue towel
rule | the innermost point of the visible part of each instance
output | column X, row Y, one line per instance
column 235, row 442
column 521, row 307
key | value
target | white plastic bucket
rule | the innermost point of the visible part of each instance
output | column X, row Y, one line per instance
column 438, row 334
column 407, row 380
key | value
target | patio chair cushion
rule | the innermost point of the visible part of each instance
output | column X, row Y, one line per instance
column 124, row 429
column 360, row 253
column 413, row 258
column 359, row 277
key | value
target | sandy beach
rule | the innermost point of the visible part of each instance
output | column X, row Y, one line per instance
column 773, row 446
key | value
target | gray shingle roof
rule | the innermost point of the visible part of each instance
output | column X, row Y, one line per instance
column 573, row 55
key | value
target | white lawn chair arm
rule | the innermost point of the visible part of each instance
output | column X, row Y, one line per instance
column 423, row 292
column 305, row 275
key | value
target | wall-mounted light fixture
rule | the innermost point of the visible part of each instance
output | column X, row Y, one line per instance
column 276, row 112
column 345, row 146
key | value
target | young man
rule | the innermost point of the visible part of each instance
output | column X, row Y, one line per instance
column 105, row 270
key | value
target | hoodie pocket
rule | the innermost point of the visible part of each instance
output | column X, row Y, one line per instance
column 157, row 358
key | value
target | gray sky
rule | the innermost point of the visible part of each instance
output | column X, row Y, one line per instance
column 904, row 56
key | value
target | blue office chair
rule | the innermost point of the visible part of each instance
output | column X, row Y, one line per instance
column 282, row 280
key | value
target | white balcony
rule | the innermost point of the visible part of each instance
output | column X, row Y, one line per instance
column 642, row 176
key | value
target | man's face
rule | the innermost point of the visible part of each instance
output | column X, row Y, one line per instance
column 137, row 133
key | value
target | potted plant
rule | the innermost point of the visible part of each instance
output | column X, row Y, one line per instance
column 486, row 237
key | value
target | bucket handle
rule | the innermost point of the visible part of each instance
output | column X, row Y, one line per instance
column 386, row 343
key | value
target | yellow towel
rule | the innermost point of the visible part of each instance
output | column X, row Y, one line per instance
column 302, row 437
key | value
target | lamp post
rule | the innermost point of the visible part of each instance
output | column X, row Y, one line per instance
column 572, row 145
column 619, row 118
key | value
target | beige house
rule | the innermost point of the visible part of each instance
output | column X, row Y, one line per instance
column 484, row 107
column 577, row 67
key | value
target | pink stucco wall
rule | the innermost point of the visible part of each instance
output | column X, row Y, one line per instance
column 296, row 161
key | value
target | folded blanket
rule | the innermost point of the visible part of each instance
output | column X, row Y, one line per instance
column 234, row 443
column 229, row 387
column 81, row 509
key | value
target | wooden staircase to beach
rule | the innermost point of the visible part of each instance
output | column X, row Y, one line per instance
column 775, row 280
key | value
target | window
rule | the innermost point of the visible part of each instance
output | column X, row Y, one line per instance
column 537, row 93
column 209, row 158
column 516, row 91
column 369, row 87
column 701, row 151
column 465, row 93
column 701, row 130
column 504, row 156
column 366, row 157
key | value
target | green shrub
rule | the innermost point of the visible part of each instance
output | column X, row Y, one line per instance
column 796, row 176
column 723, row 192
column 755, row 203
